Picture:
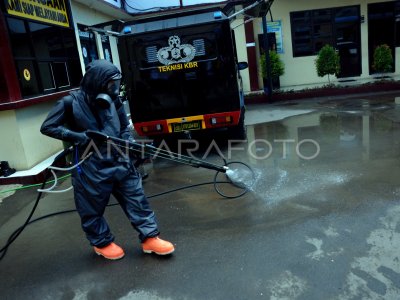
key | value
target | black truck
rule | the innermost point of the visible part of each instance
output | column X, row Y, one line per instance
column 181, row 74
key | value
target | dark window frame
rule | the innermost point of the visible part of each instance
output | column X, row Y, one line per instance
column 71, row 61
column 304, row 33
column 313, row 19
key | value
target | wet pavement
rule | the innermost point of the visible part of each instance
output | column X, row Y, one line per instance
column 322, row 220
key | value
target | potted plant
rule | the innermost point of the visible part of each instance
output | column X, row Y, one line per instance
column 383, row 59
column 277, row 68
column 327, row 62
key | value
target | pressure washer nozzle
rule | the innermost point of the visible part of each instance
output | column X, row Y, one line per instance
column 225, row 168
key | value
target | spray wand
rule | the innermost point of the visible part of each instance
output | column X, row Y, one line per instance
column 150, row 150
column 238, row 174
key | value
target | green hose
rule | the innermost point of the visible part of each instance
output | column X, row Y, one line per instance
column 32, row 185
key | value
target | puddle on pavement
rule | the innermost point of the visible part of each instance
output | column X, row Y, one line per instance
column 324, row 155
column 306, row 155
column 357, row 106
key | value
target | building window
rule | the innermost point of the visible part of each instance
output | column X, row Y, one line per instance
column 45, row 56
column 312, row 29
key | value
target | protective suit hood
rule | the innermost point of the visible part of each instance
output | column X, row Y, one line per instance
column 98, row 73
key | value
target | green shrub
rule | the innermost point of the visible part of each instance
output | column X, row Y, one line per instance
column 327, row 62
column 277, row 65
column 383, row 59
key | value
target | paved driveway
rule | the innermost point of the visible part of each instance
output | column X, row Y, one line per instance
column 322, row 220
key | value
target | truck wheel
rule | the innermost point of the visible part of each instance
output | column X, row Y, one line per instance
column 239, row 131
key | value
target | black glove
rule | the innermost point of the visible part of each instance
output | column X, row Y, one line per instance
column 79, row 138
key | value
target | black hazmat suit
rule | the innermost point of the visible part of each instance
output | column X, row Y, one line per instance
column 105, row 172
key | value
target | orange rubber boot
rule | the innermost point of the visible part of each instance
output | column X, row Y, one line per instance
column 158, row 246
column 111, row 251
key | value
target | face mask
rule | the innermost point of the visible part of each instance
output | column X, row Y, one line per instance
column 103, row 101
column 113, row 87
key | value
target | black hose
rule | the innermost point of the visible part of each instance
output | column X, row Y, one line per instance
column 245, row 188
column 17, row 232
column 28, row 221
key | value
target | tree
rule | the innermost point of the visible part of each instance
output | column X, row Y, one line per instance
column 277, row 65
column 383, row 59
column 327, row 62
column 277, row 69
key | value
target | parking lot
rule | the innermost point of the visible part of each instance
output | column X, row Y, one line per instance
column 321, row 220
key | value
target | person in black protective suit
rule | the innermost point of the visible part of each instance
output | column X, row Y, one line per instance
column 97, row 106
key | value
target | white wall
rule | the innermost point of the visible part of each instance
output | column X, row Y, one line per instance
column 22, row 145
column 37, row 147
column 11, row 148
column 88, row 15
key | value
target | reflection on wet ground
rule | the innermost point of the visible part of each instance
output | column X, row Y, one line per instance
column 335, row 145
column 322, row 150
